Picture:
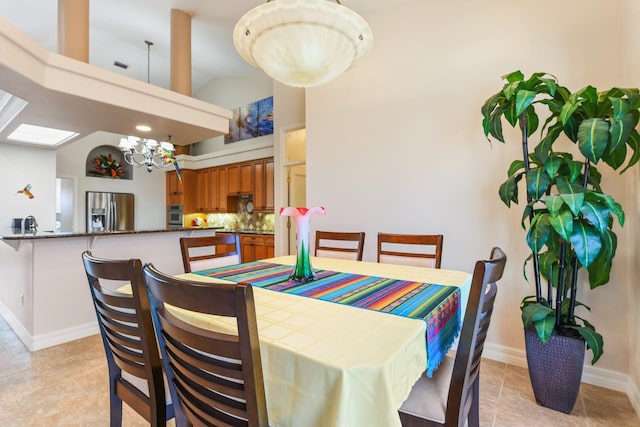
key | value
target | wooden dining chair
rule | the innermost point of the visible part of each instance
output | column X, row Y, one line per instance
column 203, row 253
column 343, row 245
column 133, row 358
column 215, row 376
column 451, row 396
column 422, row 250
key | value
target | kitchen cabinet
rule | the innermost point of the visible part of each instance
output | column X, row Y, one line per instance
column 240, row 178
column 222, row 189
column 182, row 193
column 255, row 247
column 207, row 189
column 263, row 175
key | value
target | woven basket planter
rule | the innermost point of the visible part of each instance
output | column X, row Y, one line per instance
column 555, row 369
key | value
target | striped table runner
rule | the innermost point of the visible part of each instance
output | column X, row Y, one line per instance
column 437, row 305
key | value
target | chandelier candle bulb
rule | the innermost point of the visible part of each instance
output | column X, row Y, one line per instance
column 147, row 152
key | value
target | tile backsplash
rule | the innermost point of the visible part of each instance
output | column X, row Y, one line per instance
column 242, row 220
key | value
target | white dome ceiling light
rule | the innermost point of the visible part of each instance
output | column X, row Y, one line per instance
column 302, row 43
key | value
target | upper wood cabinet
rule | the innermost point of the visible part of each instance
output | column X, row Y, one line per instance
column 206, row 190
column 240, row 178
column 263, row 185
column 182, row 193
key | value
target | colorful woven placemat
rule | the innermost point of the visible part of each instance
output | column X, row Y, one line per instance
column 437, row 305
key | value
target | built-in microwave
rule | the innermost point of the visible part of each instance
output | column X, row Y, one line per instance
column 175, row 214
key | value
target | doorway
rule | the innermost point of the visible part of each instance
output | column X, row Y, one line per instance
column 65, row 207
column 296, row 178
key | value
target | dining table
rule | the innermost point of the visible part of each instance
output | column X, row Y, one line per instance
column 328, row 361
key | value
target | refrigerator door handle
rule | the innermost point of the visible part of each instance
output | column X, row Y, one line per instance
column 114, row 218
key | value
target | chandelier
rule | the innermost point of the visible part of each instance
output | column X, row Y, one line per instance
column 147, row 152
column 302, row 43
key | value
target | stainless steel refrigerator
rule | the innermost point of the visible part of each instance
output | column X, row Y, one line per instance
column 109, row 212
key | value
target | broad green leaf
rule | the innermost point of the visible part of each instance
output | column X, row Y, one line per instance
column 573, row 201
column 538, row 232
column 552, row 165
column 532, row 121
column 511, row 114
column 600, row 268
column 508, row 191
column 543, row 148
column 620, row 131
column 490, row 104
column 495, row 125
column 516, row 166
column 593, row 137
column 616, row 158
column 545, row 327
column 562, row 224
column 524, row 98
column 553, row 203
column 634, row 143
column 613, row 206
column 510, row 89
column 586, row 242
column 534, row 312
column 596, row 214
column 538, row 181
column 567, row 111
column 594, row 341
column 620, row 107
column 599, row 271
column 589, row 96
column 550, row 83
column 514, row 76
column 568, row 187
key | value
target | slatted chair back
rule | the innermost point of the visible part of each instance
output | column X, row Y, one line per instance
column 421, row 250
column 342, row 245
column 216, row 376
column 451, row 397
column 133, row 358
column 203, row 253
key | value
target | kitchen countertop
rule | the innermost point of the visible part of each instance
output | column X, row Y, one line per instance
column 61, row 234
column 228, row 230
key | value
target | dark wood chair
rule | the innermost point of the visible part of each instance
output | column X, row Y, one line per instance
column 215, row 377
column 451, row 396
column 203, row 253
column 135, row 368
column 344, row 245
column 422, row 250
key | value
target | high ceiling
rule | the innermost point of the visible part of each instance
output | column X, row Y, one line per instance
column 118, row 30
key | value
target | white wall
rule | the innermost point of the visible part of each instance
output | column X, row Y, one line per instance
column 19, row 166
column 149, row 188
column 632, row 71
column 396, row 143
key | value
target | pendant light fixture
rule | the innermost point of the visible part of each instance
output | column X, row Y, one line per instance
column 302, row 43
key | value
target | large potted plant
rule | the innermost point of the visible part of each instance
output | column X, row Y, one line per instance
column 568, row 217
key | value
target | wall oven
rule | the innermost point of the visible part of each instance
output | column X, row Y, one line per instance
column 175, row 214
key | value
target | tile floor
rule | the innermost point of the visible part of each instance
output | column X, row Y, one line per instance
column 66, row 385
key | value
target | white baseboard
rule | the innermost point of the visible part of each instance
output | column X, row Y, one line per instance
column 38, row 342
column 590, row 375
column 50, row 339
column 17, row 326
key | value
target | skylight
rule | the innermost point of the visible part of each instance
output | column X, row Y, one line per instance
column 10, row 107
column 41, row 135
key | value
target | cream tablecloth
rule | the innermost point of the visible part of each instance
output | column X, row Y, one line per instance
column 328, row 364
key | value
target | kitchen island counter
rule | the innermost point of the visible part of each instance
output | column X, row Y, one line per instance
column 47, row 234
column 44, row 294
